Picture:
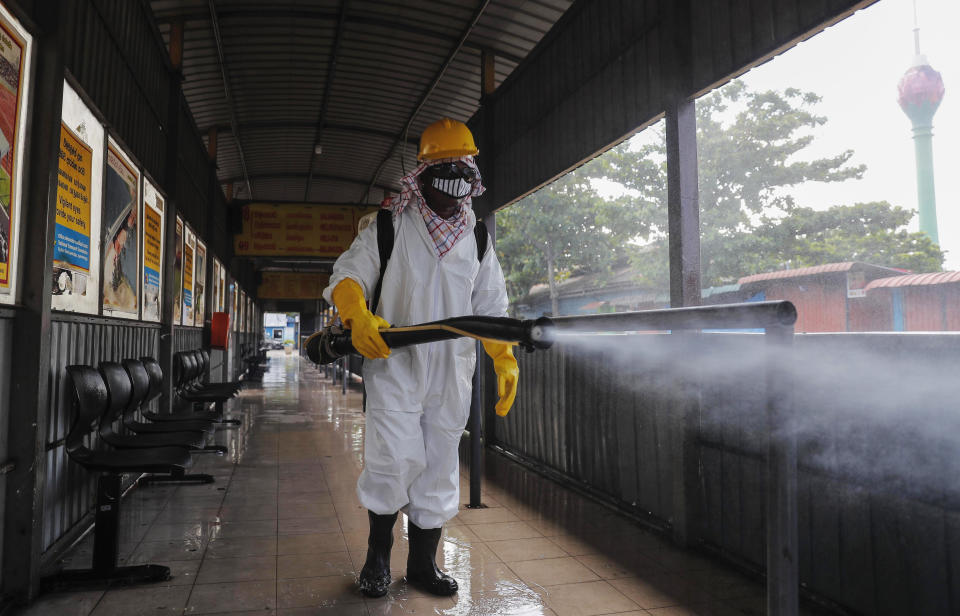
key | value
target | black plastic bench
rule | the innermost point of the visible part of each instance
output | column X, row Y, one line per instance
column 90, row 401
column 124, row 394
column 142, row 382
column 155, row 372
column 187, row 371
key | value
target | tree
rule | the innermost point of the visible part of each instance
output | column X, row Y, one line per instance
column 563, row 229
column 750, row 154
column 872, row 232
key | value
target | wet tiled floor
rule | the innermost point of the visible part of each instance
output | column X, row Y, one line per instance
column 281, row 533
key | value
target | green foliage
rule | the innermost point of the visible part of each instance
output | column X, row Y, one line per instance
column 566, row 227
column 750, row 154
column 872, row 232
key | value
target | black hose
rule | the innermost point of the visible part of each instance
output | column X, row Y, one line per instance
column 333, row 342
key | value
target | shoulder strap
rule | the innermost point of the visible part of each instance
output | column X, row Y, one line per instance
column 385, row 247
column 480, row 232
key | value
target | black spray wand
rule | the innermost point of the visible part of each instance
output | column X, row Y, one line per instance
column 333, row 342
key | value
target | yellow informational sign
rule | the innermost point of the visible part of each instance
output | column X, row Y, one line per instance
column 187, row 284
column 152, row 241
column 71, row 248
column 152, row 256
column 178, row 272
column 292, row 285
column 296, row 230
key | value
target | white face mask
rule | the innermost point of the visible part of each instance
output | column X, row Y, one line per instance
column 457, row 188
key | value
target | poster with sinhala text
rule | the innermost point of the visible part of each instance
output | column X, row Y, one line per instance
column 14, row 55
column 76, row 263
column 71, row 245
column 178, row 272
column 188, row 244
column 199, row 283
column 215, row 288
column 152, row 251
column 121, row 236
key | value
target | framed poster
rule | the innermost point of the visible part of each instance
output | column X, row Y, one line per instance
column 222, row 296
column 76, row 247
column 189, row 244
column 235, row 313
column 199, row 283
column 215, row 286
column 16, row 52
column 242, row 307
column 121, row 237
column 152, row 277
column 178, row 272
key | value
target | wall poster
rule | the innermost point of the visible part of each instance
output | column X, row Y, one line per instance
column 189, row 244
column 220, row 279
column 76, row 249
column 152, row 283
column 215, row 286
column 121, row 238
column 199, row 284
column 241, row 305
column 178, row 272
column 15, row 55
column 235, row 313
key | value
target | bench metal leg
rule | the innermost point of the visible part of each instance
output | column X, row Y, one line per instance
column 105, row 571
column 176, row 478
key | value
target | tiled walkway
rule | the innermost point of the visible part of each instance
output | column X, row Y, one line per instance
column 281, row 533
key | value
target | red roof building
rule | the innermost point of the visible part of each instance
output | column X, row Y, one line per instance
column 827, row 296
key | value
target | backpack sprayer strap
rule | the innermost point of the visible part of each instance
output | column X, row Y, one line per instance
column 385, row 248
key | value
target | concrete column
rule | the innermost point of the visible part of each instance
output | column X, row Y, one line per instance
column 30, row 369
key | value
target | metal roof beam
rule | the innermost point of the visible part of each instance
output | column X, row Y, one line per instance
column 292, row 175
column 259, row 12
column 215, row 24
column 324, row 105
column 426, row 95
column 282, row 124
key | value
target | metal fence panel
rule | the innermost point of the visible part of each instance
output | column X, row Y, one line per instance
column 879, row 503
column 70, row 491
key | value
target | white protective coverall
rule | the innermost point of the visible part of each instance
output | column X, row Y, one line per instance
column 418, row 399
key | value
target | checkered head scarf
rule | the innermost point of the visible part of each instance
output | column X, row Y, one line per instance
column 445, row 232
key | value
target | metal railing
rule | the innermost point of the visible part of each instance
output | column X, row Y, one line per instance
column 776, row 319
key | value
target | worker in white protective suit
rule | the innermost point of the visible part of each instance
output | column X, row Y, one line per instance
column 418, row 397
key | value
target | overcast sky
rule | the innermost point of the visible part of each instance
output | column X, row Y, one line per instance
column 855, row 67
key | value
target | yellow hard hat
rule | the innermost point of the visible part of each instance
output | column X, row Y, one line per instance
column 446, row 138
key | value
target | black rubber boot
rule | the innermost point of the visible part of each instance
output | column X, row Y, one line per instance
column 374, row 578
column 422, row 570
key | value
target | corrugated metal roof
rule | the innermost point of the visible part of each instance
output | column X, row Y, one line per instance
column 915, row 280
column 827, row 268
column 363, row 66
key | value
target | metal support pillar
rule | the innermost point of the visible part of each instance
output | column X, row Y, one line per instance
column 482, row 418
column 683, row 205
column 165, row 354
column 475, row 426
column 344, row 367
column 29, row 375
column 783, row 577
column 684, row 228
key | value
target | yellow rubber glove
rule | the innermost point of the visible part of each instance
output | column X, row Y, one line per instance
column 505, row 365
column 364, row 325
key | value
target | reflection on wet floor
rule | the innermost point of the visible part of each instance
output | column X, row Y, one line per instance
column 281, row 533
